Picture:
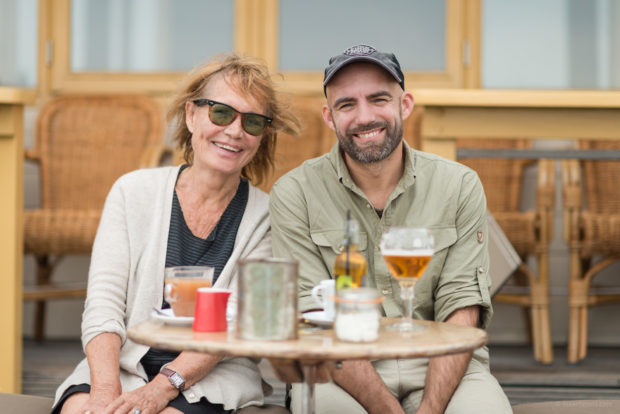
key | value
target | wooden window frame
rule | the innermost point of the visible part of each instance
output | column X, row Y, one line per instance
column 462, row 55
column 256, row 33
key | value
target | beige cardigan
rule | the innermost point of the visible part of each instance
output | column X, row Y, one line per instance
column 126, row 279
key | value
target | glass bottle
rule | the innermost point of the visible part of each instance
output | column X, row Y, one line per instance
column 350, row 266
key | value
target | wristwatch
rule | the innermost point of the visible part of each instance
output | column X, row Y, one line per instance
column 174, row 377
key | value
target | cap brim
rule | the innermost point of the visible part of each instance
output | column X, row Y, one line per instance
column 354, row 59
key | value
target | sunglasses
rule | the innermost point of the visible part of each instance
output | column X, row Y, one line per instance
column 222, row 115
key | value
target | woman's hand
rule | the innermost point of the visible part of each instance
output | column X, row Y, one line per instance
column 98, row 400
column 149, row 399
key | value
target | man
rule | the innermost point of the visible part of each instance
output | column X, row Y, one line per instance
column 383, row 182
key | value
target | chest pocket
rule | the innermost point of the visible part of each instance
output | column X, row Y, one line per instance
column 329, row 243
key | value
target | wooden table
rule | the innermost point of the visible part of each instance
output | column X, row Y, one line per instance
column 315, row 346
column 12, row 102
column 528, row 114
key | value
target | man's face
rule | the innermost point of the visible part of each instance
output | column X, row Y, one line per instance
column 364, row 108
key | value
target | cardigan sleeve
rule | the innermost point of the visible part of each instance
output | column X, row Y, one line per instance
column 105, row 306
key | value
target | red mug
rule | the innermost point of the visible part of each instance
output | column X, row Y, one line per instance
column 210, row 313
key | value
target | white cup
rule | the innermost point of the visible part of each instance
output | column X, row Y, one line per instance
column 323, row 294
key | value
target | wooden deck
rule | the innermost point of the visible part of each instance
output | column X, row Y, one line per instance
column 46, row 365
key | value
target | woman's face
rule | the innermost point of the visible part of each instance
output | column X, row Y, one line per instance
column 224, row 149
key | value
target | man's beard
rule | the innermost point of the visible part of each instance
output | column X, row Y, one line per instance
column 374, row 152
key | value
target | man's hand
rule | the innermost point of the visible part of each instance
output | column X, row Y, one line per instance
column 360, row 379
column 311, row 372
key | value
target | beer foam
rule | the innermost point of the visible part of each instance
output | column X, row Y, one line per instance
column 410, row 253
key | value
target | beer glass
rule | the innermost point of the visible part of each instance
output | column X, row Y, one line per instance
column 407, row 251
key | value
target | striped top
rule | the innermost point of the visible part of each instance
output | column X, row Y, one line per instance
column 185, row 249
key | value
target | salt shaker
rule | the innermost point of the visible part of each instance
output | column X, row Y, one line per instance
column 358, row 313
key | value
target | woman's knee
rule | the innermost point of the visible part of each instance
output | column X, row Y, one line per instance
column 74, row 403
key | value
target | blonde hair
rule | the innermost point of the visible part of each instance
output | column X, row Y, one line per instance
column 249, row 77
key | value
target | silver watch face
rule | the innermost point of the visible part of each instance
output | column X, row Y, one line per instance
column 177, row 380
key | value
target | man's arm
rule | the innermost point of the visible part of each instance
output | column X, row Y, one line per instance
column 360, row 379
column 445, row 373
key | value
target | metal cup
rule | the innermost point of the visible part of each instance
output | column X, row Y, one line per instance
column 267, row 299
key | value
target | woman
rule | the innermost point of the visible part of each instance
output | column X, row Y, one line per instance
column 226, row 116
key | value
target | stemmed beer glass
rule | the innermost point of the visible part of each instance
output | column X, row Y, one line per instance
column 407, row 251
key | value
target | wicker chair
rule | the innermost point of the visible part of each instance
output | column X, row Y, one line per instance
column 529, row 232
column 593, row 231
column 83, row 144
column 314, row 139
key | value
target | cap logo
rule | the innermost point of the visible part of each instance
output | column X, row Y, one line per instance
column 359, row 50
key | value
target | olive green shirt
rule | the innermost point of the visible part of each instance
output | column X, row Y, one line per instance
column 308, row 208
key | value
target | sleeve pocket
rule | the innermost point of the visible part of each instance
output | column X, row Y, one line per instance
column 444, row 237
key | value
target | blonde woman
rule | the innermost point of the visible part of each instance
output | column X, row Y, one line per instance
column 206, row 212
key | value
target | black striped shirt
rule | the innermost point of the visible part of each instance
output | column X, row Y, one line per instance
column 185, row 249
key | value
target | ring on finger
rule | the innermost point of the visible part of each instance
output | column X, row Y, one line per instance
column 135, row 411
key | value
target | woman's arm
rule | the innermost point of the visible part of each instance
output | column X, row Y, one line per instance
column 103, row 353
column 155, row 395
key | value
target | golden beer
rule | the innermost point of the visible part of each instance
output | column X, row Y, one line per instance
column 357, row 266
column 407, row 266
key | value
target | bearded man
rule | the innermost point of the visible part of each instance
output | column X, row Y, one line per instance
column 375, row 175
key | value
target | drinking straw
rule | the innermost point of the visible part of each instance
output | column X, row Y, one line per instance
column 348, row 244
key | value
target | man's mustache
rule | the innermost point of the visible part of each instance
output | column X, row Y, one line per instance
column 367, row 127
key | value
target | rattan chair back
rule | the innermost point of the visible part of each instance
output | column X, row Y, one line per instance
column 313, row 140
column 502, row 178
column 601, row 179
column 85, row 143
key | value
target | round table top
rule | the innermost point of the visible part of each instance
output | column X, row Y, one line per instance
column 437, row 338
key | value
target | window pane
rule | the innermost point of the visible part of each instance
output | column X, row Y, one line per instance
column 18, row 48
column 148, row 35
column 313, row 31
column 555, row 44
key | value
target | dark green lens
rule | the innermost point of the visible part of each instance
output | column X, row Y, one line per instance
column 222, row 114
column 254, row 124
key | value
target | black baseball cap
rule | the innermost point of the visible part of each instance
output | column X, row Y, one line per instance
column 364, row 53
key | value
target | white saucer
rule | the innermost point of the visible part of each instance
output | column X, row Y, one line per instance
column 318, row 318
column 170, row 319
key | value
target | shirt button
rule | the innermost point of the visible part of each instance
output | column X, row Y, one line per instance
column 480, row 270
column 367, row 205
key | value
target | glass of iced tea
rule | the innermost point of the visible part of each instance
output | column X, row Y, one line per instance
column 181, row 284
column 407, row 251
